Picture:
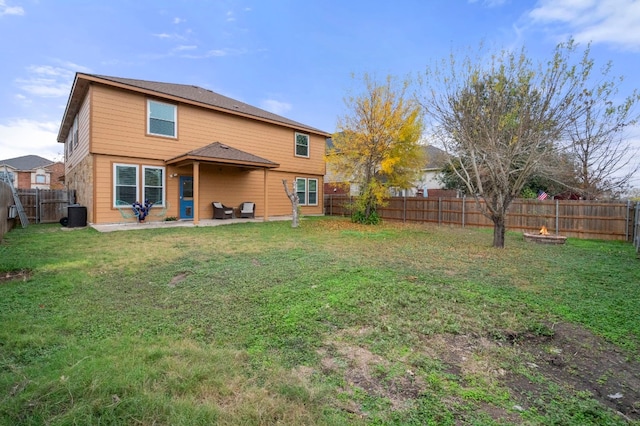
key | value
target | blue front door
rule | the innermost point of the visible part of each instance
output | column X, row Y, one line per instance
column 186, row 197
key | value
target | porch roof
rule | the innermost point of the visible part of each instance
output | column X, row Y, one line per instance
column 219, row 153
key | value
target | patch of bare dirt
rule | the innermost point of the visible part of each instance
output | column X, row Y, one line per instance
column 369, row 372
column 18, row 275
column 569, row 356
column 574, row 357
column 178, row 279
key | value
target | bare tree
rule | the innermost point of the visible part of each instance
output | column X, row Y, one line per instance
column 502, row 119
column 605, row 162
column 293, row 197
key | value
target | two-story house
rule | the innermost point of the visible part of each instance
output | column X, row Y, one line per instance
column 183, row 147
column 33, row 172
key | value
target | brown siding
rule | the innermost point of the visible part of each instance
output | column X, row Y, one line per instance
column 197, row 127
column 82, row 150
column 106, row 212
column 118, row 135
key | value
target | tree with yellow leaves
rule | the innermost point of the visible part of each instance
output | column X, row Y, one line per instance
column 377, row 144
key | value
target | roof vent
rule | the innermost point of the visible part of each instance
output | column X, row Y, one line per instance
column 224, row 146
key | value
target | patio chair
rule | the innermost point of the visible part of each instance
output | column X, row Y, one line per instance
column 247, row 210
column 220, row 211
column 126, row 210
column 160, row 212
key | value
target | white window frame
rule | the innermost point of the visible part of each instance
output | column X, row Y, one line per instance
column 304, row 201
column 164, row 180
column 295, row 144
column 113, row 178
column 175, row 119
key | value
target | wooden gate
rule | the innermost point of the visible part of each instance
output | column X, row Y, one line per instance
column 46, row 205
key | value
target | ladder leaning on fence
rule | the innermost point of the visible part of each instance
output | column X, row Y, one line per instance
column 16, row 199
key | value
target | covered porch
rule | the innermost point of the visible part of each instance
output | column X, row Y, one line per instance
column 221, row 173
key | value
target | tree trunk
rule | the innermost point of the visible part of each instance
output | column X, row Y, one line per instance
column 293, row 197
column 499, row 229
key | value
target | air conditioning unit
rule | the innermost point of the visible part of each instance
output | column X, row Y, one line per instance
column 13, row 212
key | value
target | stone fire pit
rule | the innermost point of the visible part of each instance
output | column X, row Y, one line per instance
column 543, row 237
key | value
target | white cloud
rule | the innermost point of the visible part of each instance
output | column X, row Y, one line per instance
column 597, row 21
column 179, row 20
column 72, row 67
column 167, row 36
column 10, row 10
column 47, row 81
column 490, row 3
column 275, row 107
column 216, row 53
column 50, row 71
column 182, row 48
column 29, row 137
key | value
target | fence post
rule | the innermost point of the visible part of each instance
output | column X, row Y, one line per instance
column 626, row 232
column 557, row 217
column 464, row 198
column 439, row 211
column 38, row 206
column 404, row 207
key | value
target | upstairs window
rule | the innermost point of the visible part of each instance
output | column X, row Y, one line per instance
column 162, row 119
column 302, row 145
column 41, row 179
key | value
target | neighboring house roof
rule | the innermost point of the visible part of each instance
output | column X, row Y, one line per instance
column 26, row 162
column 177, row 92
column 436, row 158
column 221, row 153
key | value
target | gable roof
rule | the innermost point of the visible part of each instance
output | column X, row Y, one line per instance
column 26, row 162
column 220, row 153
column 175, row 92
column 436, row 158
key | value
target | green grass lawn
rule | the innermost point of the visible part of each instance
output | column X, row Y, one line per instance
column 331, row 323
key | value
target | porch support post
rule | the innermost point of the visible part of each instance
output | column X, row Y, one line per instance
column 196, row 192
column 266, row 196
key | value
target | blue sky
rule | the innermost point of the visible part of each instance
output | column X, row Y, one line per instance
column 292, row 57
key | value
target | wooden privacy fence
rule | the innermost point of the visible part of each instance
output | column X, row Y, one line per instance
column 46, row 205
column 581, row 219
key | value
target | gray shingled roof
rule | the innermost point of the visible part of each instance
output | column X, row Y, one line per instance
column 224, row 153
column 26, row 162
column 436, row 158
column 205, row 96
